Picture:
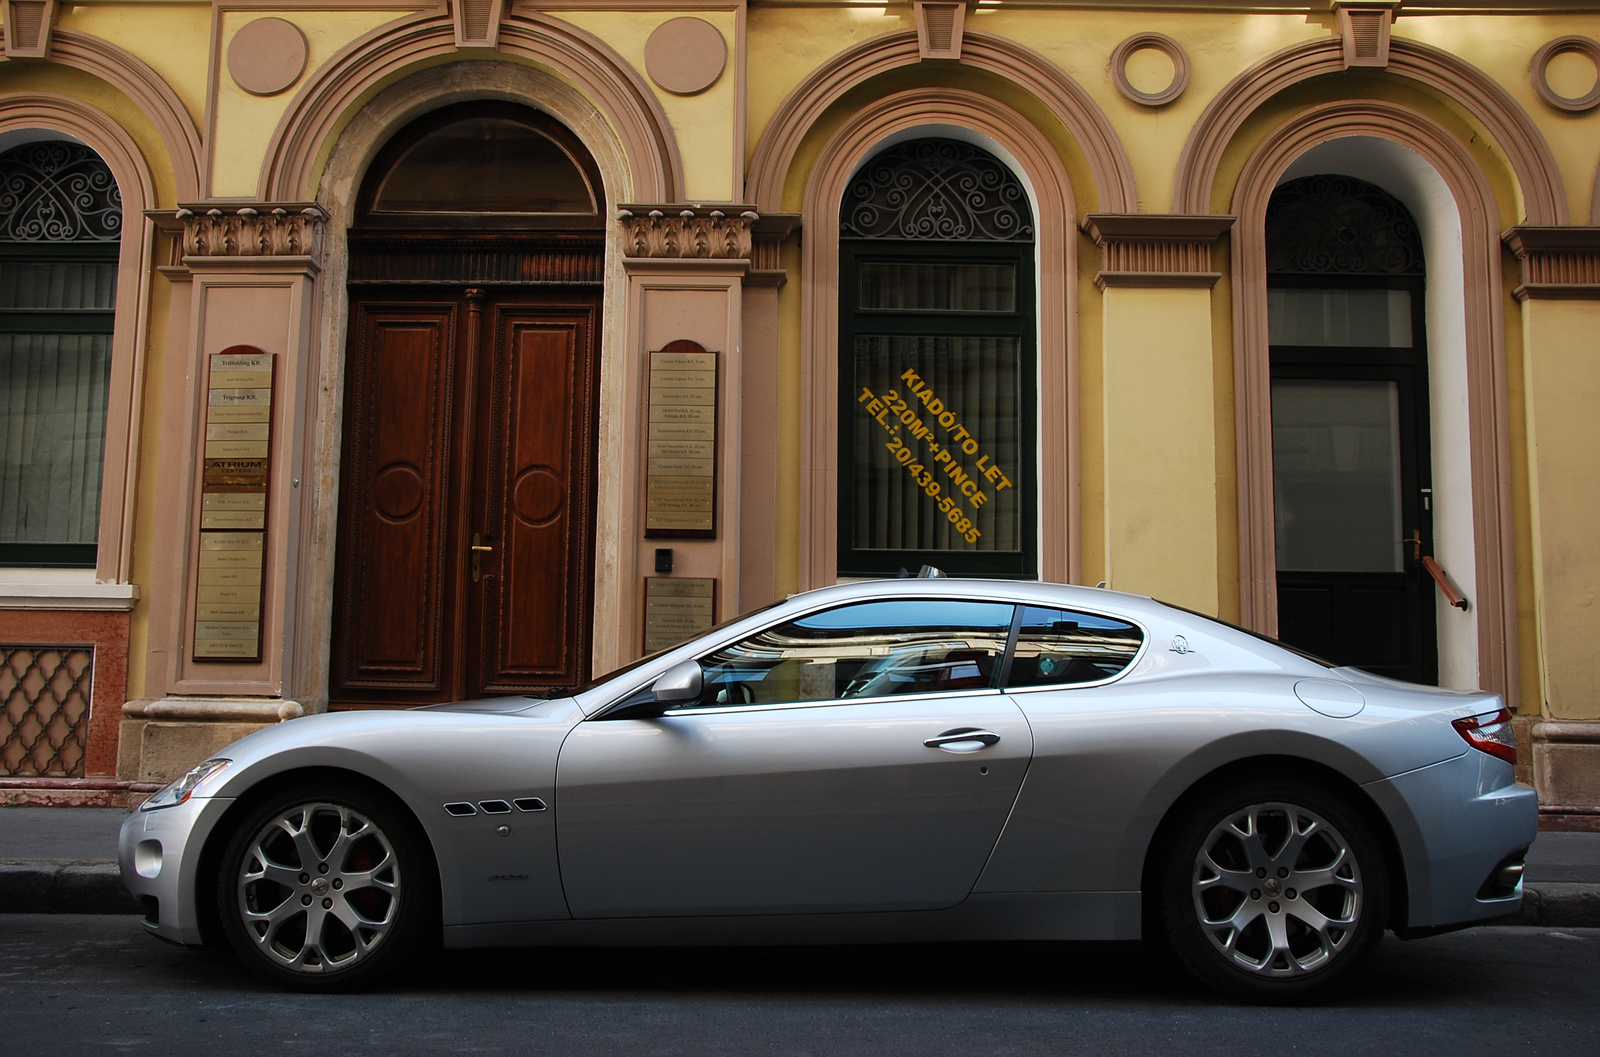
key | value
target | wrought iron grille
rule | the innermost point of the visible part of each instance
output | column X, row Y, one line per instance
column 44, row 710
column 58, row 192
column 936, row 189
column 1338, row 225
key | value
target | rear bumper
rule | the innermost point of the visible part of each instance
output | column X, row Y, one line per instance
column 158, row 853
column 1456, row 822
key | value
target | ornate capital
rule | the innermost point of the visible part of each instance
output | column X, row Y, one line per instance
column 1557, row 262
column 1155, row 249
column 290, row 230
column 687, row 232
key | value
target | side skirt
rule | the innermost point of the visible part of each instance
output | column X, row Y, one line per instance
column 1008, row 916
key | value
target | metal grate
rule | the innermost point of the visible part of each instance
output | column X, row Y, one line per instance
column 44, row 710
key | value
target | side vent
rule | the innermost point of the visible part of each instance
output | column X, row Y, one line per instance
column 461, row 809
column 495, row 807
column 28, row 24
column 939, row 28
column 477, row 22
column 1364, row 28
column 529, row 803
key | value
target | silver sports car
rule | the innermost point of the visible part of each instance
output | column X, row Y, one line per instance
column 916, row 759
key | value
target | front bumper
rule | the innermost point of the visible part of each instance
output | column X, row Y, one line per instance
column 158, row 852
column 1456, row 821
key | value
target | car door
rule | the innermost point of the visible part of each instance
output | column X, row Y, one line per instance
column 854, row 759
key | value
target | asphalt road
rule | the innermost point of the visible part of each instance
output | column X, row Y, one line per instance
column 83, row 984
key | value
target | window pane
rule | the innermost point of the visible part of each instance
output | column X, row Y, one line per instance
column 1365, row 319
column 920, row 286
column 1336, row 475
column 937, row 443
column 871, row 649
column 1353, row 318
column 485, row 165
column 1056, row 647
column 58, row 284
column 52, row 436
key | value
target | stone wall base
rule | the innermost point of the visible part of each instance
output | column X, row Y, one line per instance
column 1566, row 765
column 163, row 738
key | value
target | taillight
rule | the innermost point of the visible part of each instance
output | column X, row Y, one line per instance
column 1491, row 733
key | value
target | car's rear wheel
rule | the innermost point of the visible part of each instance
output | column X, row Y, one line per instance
column 326, row 891
column 1274, row 891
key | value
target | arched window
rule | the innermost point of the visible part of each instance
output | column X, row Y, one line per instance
column 482, row 165
column 60, row 232
column 937, row 425
column 1352, row 483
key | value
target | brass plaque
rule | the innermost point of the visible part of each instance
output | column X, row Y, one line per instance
column 233, row 505
column 680, row 485
column 676, row 609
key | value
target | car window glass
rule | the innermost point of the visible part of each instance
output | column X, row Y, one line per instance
column 869, row 649
column 1058, row 647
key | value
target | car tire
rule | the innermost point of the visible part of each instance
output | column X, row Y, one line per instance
column 327, row 888
column 1274, row 891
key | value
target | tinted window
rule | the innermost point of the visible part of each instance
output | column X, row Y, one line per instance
column 870, row 649
column 1057, row 647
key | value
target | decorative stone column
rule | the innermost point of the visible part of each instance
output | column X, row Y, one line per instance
column 1560, row 296
column 1160, row 443
column 687, row 269
column 245, row 276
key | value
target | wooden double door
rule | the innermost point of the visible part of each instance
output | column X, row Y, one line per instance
column 466, row 517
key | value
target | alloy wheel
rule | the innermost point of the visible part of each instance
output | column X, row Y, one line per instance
column 1277, row 890
column 318, row 888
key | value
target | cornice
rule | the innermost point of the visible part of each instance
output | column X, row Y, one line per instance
column 1558, row 263
column 1156, row 249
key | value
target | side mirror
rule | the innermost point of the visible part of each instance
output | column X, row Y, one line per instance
column 678, row 684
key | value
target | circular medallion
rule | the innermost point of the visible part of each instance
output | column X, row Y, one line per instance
column 397, row 491
column 538, row 495
column 1134, row 49
column 685, row 55
column 1586, row 71
column 267, row 56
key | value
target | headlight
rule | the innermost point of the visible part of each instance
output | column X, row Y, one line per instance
column 184, row 787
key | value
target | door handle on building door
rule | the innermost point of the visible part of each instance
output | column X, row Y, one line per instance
column 478, row 550
column 1415, row 539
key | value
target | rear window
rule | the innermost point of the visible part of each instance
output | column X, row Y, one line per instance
column 1061, row 647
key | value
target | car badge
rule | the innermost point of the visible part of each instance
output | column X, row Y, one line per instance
column 1180, row 645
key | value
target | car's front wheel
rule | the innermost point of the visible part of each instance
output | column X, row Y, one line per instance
column 326, row 891
column 1274, row 891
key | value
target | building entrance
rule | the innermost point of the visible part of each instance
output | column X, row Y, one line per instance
column 466, row 517
column 1350, row 440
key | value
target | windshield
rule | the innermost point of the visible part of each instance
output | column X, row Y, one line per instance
column 1297, row 651
column 617, row 673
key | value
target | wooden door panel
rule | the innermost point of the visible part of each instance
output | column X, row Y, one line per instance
column 389, row 622
column 536, row 501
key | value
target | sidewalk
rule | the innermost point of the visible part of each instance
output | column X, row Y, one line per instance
column 63, row 860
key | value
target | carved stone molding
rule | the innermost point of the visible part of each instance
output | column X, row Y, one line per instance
column 293, row 229
column 28, row 28
column 1557, row 262
column 1540, row 70
column 477, row 22
column 1364, row 31
column 688, row 232
column 1154, row 249
column 939, row 28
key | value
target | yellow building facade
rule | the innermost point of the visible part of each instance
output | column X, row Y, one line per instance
column 420, row 352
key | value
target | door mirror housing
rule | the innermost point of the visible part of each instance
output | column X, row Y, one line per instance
column 679, row 684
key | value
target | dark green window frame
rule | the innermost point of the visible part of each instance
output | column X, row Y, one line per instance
column 1019, row 324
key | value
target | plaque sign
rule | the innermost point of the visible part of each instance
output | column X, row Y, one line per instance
column 676, row 609
column 681, row 482
column 233, row 505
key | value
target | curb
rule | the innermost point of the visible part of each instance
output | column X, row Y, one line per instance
column 93, row 886
column 63, row 886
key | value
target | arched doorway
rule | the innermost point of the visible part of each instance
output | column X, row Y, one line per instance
column 1352, row 467
column 937, row 365
column 466, row 514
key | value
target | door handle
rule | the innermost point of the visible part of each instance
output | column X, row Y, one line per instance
column 963, row 739
column 477, row 550
column 1415, row 539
